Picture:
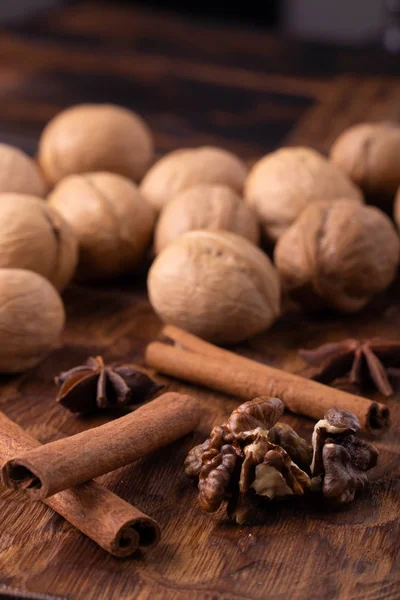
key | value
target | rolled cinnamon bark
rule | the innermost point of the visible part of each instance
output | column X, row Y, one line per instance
column 112, row 523
column 224, row 371
column 70, row 461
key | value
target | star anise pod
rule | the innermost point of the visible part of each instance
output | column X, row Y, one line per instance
column 95, row 386
column 364, row 361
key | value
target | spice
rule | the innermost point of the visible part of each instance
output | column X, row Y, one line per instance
column 73, row 460
column 115, row 525
column 95, row 386
column 340, row 459
column 364, row 361
column 207, row 365
column 239, row 462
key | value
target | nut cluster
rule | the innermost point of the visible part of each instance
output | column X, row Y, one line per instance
column 252, row 455
column 249, row 456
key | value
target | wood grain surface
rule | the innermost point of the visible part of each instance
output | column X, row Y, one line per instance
column 248, row 92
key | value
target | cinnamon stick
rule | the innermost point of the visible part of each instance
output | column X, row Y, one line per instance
column 70, row 461
column 222, row 370
column 112, row 523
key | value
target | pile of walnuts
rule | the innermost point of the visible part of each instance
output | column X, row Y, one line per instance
column 88, row 205
column 253, row 456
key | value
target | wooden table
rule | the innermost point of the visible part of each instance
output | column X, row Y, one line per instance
column 249, row 92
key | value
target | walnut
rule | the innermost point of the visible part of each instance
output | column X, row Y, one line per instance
column 335, row 422
column 340, row 459
column 329, row 256
column 31, row 319
column 187, row 167
column 277, row 475
column 193, row 462
column 216, row 285
column 215, row 477
column 95, row 137
column 239, row 462
column 205, row 206
column 258, row 414
column 342, row 480
column 35, row 237
column 298, row 449
column 282, row 184
column 370, row 154
column 19, row 174
column 110, row 219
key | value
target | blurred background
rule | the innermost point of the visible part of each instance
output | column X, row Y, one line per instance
column 246, row 76
column 337, row 21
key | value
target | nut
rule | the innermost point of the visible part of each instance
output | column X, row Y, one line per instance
column 282, row 184
column 205, row 206
column 35, row 237
column 239, row 462
column 19, row 173
column 370, row 154
column 216, row 285
column 31, row 319
column 95, row 137
column 186, row 167
column 112, row 222
column 340, row 459
column 338, row 254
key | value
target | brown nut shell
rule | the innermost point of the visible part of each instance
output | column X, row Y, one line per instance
column 35, row 237
column 396, row 210
column 282, row 184
column 112, row 222
column 187, row 167
column 95, row 137
column 31, row 319
column 217, row 285
column 205, row 206
column 338, row 254
column 369, row 153
column 19, row 173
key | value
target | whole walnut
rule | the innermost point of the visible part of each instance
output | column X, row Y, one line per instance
column 217, row 285
column 186, row 167
column 35, row 237
column 112, row 222
column 338, row 254
column 19, row 173
column 205, row 206
column 370, row 154
column 31, row 319
column 282, row 184
column 95, row 137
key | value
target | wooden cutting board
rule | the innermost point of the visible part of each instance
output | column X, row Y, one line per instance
column 248, row 92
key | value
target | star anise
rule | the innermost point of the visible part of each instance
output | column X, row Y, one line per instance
column 95, row 386
column 364, row 361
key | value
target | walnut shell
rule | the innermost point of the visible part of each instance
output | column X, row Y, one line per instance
column 209, row 207
column 186, row 167
column 370, row 154
column 19, row 173
column 282, row 184
column 217, row 285
column 31, row 319
column 338, row 254
column 35, row 237
column 396, row 210
column 95, row 137
column 112, row 222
